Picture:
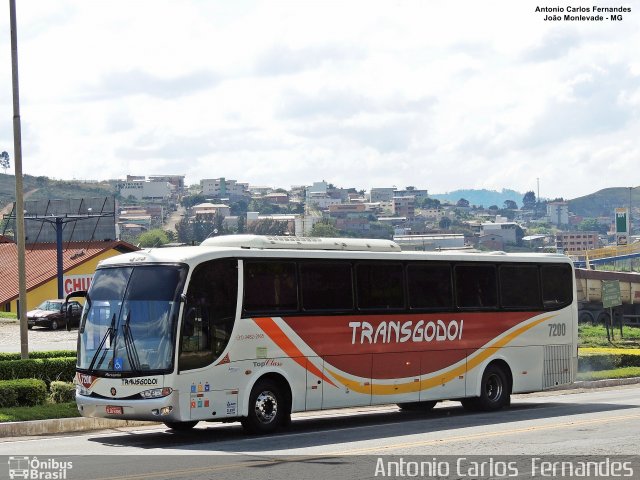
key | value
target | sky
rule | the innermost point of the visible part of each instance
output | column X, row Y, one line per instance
column 439, row 95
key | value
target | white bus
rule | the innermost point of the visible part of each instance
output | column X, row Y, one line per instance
column 249, row 328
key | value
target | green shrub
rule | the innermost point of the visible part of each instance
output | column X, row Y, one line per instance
column 50, row 354
column 47, row 369
column 62, row 392
column 591, row 363
column 25, row 392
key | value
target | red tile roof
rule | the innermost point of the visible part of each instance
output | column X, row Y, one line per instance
column 41, row 262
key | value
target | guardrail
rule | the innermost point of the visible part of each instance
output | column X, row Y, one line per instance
column 607, row 252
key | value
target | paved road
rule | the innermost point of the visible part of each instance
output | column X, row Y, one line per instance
column 39, row 338
column 349, row 443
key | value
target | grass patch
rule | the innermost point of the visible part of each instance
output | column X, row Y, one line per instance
column 39, row 412
column 8, row 316
column 596, row 336
column 624, row 372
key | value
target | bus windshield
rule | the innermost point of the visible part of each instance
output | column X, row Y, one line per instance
column 130, row 319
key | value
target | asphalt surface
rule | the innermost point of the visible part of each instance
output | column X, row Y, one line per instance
column 39, row 339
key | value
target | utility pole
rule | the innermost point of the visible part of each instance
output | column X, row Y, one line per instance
column 17, row 151
column 630, row 216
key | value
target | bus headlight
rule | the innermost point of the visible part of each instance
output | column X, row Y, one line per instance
column 156, row 392
column 81, row 390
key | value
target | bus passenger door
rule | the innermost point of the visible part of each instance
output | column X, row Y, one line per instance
column 350, row 377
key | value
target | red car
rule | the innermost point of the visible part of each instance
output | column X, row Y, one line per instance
column 50, row 313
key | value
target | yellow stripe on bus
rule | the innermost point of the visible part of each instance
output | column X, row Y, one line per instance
column 413, row 386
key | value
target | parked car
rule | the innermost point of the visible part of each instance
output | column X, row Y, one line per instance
column 51, row 314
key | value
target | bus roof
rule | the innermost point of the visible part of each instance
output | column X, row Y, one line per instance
column 256, row 246
column 303, row 243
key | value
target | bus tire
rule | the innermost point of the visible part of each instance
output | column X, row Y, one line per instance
column 417, row 406
column 495, row 391
column 470, row 404
column 181, row 426
column 268, row 409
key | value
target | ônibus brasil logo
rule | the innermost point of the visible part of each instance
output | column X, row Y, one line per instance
column 33, row 468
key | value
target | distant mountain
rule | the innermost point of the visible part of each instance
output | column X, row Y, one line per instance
column 486, row 198
column 603, row 202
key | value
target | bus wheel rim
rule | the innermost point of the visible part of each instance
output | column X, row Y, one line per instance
column 493, row 388
column 266, row 407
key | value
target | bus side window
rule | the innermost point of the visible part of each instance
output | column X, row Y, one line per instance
column 209, row 313
column 557, row 285
column 476, row 286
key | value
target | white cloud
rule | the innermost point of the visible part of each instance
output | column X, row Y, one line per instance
column 433, row 94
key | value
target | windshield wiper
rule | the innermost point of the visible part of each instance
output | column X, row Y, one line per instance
column 110, row 331
column 130, row 346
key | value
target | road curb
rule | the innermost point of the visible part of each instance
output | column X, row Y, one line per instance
column 81, row 424
column 610, row 382
column 63, row 425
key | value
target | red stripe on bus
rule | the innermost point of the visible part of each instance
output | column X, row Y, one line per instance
column 275, row 333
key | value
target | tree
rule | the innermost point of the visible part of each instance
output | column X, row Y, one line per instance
column 430, row 203
column 592, row 225
column 4, row 161
column 444, row 223
column 242, row 223
column 529, row 201
column 510, row 205
column 267, row 226
column 153, row 238
column 324, row 228
column 189, row 201
column 463, row 202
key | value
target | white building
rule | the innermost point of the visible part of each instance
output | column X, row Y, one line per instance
column 506, row 230
column 558, row 213
column 212, row 209
column 382, row 194
column 223, row 188
column 145, row 189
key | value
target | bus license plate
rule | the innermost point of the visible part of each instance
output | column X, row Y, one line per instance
column 111, row 410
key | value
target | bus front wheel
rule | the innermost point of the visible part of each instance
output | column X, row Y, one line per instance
column 268, row 409
column 181, row 426
column 417, row 406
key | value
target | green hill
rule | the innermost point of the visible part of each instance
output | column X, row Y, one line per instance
column 603, row 202
column 39, row 188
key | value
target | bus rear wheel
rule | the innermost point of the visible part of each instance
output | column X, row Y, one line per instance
column 495, row 391
column 181, row 426
column 417, row 406
column 268, row 408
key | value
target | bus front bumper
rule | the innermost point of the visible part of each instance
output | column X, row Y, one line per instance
column 161, row 409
